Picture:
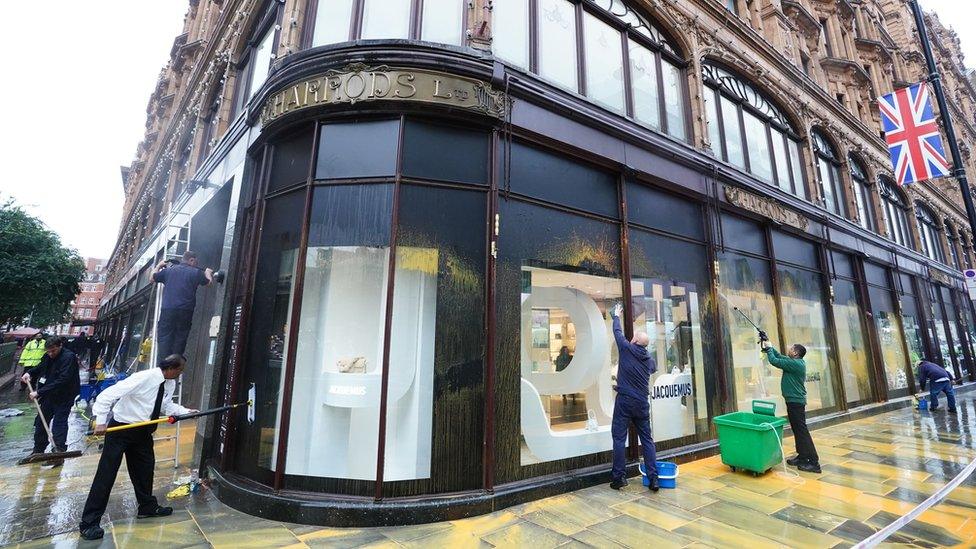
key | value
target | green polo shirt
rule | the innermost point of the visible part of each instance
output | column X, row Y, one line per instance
column 794, row 376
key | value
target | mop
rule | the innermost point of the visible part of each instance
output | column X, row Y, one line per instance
column 57, row 453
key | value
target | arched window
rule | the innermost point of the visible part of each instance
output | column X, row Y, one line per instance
column 343, row 20
column 862, row 195
column 747, row 130
column 828, row 171
column 896, row 212
column 600, row 48
column 953, row 242
column 928, row 230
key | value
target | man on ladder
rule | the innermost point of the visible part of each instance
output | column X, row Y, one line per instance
column 180, row 284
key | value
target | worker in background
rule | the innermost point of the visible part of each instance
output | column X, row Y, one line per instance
column 31, row 355
column 939, row 380
column 180, row 283
column 56, row 384
column 631, row 405
column 795, row 394
column 140, row 397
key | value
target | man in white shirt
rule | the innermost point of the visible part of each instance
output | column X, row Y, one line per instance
column 140, row 397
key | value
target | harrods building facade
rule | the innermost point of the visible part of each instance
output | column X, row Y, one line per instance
column 427, row 208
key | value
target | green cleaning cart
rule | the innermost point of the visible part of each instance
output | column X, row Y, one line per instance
column 751, row 441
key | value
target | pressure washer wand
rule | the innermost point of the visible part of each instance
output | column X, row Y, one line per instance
column 174, row 419
column 762, row 333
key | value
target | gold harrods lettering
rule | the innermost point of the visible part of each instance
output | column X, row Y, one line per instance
column 765, row 207
column 359, row 83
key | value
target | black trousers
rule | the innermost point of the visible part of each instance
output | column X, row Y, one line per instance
column 137, row 446
column 172, row 332
column 56, row 412
column 797, row 414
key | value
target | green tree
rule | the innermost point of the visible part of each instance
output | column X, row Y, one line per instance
column 38, row 275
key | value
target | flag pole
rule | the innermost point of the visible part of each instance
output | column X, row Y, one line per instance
column 957, row 168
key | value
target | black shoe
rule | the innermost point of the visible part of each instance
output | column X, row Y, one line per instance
column 92, row 533
column 159, row 511
column 655, row 484
column 793, row 461
column 808, row 467
column 952, row 410
column 933, row 408
column 618, row 484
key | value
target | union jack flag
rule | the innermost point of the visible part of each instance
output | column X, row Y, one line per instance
column 913, row 135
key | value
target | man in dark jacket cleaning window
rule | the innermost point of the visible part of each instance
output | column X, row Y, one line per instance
column 795, row 395
column 940, row 381
column 632, row 405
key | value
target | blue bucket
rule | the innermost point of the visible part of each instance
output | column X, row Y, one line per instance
column 667, row 474
column 923, row 403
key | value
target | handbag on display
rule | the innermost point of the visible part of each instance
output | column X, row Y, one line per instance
column 355, row 365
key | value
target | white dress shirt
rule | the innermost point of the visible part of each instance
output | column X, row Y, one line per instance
column 133, row 398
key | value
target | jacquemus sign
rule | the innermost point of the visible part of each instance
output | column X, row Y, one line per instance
column 357, row 83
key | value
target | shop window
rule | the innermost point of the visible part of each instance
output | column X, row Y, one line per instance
column 929, row 233
column 805, row 322
column 659, row 210
column 795, row 250
column 445, row 153
column 357, row 150
column 747, row 130
column 896, row 212
column 890, row 337
column 557, row 179
column 745, row 294
column 842, row 264
column 558, row 278
column 620, row 51
column 337, row 21
column 742, row 234
column 863, row 195
column 437, row 346
column 268, row 332
column 290, row 159
column 669, row 289
column 828, row 172
column 339, row 360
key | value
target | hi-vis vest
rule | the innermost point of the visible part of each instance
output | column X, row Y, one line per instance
column 32, row 354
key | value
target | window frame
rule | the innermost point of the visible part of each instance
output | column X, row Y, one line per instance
column 824, row 150
column 356, row 23
column 863, row 194
column 929, row 232
column 714, row 86
column 270, row 20
column 952, row 241
column 896, row 213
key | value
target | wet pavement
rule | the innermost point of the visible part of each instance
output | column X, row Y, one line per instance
column 874, row 471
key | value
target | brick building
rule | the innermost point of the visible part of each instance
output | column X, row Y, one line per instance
column 84, row 308
column 450, row 194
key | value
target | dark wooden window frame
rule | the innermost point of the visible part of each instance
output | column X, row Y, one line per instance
column 835, row 181
column 270, row 20
column 863, row 191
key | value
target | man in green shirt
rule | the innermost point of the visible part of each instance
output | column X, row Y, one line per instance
column 795, row 395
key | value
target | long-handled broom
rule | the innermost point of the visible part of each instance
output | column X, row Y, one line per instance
column 58, row 453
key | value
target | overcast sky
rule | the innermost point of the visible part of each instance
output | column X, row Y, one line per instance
column 77, row 77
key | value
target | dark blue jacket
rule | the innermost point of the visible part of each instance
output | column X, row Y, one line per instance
column 61, row 377
column 928, row 371
column 636, row 366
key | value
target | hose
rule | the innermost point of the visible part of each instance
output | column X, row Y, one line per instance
column 791, row 476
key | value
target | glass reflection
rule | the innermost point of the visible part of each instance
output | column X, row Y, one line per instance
column 745, row 289
column 557, row 42
column 855, row 355
column 888, row 325
column 604, row 63
column 510, row 31
column 805, row 322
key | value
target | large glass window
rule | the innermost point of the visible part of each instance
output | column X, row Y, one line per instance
column 852, row 343
column 929, row 234
column 558, row 276
column 828, row 172
column 896, row 212
column 336, row 21
column 339, row 362
column 889, row 328
column 269, row 316
column 747, row 130
column 669, row 297
column 953, row 245
column 863, row 195
column 620, row 50
column 746, row 296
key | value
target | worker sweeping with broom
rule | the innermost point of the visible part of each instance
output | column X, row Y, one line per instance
column 54, row 384
column 140, row 397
